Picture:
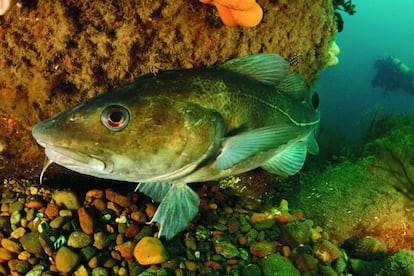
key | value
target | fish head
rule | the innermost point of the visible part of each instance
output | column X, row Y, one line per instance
column 131, row 138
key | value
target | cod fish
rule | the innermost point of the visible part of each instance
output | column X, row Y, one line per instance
column 177, row 127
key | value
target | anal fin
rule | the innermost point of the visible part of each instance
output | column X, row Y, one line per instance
column 156, row 191
column 178, row 207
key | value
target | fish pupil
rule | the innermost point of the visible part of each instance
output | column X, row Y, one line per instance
column 115, row 118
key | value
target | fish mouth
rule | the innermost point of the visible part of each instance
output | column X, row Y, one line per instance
column 78, row 161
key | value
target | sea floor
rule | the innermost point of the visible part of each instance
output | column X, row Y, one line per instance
column 96, row 227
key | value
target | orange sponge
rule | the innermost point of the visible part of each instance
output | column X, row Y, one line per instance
column 245, row 13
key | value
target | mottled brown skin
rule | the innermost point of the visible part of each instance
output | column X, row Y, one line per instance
column 178, row 120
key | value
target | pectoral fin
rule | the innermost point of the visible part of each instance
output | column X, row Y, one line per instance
column 289, row 161
column 242, row 146
column 178, row 207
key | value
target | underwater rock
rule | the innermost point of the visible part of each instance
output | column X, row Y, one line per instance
column 66, row 259
column 400, row 263
column 149, row 251
column 296, row 233
column 30, row 243
column 66, row 199
column 87, row 220
column 79, row 239
column 366, row 248
column 326, row 251
column 274, row 264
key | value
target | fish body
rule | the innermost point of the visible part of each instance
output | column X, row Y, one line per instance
column 181, row 126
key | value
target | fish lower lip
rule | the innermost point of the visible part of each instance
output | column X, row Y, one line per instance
column 77, row 161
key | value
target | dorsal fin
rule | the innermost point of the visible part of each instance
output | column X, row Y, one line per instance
column 269, row 69
column 294, row 87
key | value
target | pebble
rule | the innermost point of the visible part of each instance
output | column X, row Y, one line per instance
column 296, row 233
column 18, row 266
column 274, row 264
column 18, row 233
column 66, row 199
column 190, row 242
column 65, row 213
column 10, row 245
column 16, row 206
column 251, row 270
column 121, row 200
column 150, row 210
column 52, row 210
column 131, row 231
column 226, row 249
column 367, row 248
column 138, row 216
column 126, row 249
column 100, row 271
column 101, row 240
column 79, row 239
column 66, row 260
column 326, row 251
column 94, row 193
column 88, row 252
column 30, row 243
column 57, row 222
column 233, row 225
column 86, row 220
column 34, row 204
column 99, row 204
column 262, row 249
column 15, row 218
column 5, row 223
column 5, row 255
column 150, row 250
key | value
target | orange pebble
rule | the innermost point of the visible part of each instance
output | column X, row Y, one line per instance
column 241, row 240
column 95, row 193
column 217, row 233
column 214, row 265
column 285, row 251
column 298, row 214
column 232, row 261
column 283, row 217
column 150, row 210
column 52, row 210
column 257, row 217
column 34, row 204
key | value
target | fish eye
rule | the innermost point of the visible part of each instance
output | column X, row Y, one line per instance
column 115, row 117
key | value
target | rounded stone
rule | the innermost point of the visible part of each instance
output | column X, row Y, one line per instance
column 5, row 255
column 10, row 245
column 66, row 260
column 66, row 199
column 275, row 264
column 79, row 239
column 18, row 233
column 126, row 249
column 18, row 266
column 16, row 206
column 86, row 221
column 101, row 240
column 226, row 249
column 30, row 243
column 150, row 250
